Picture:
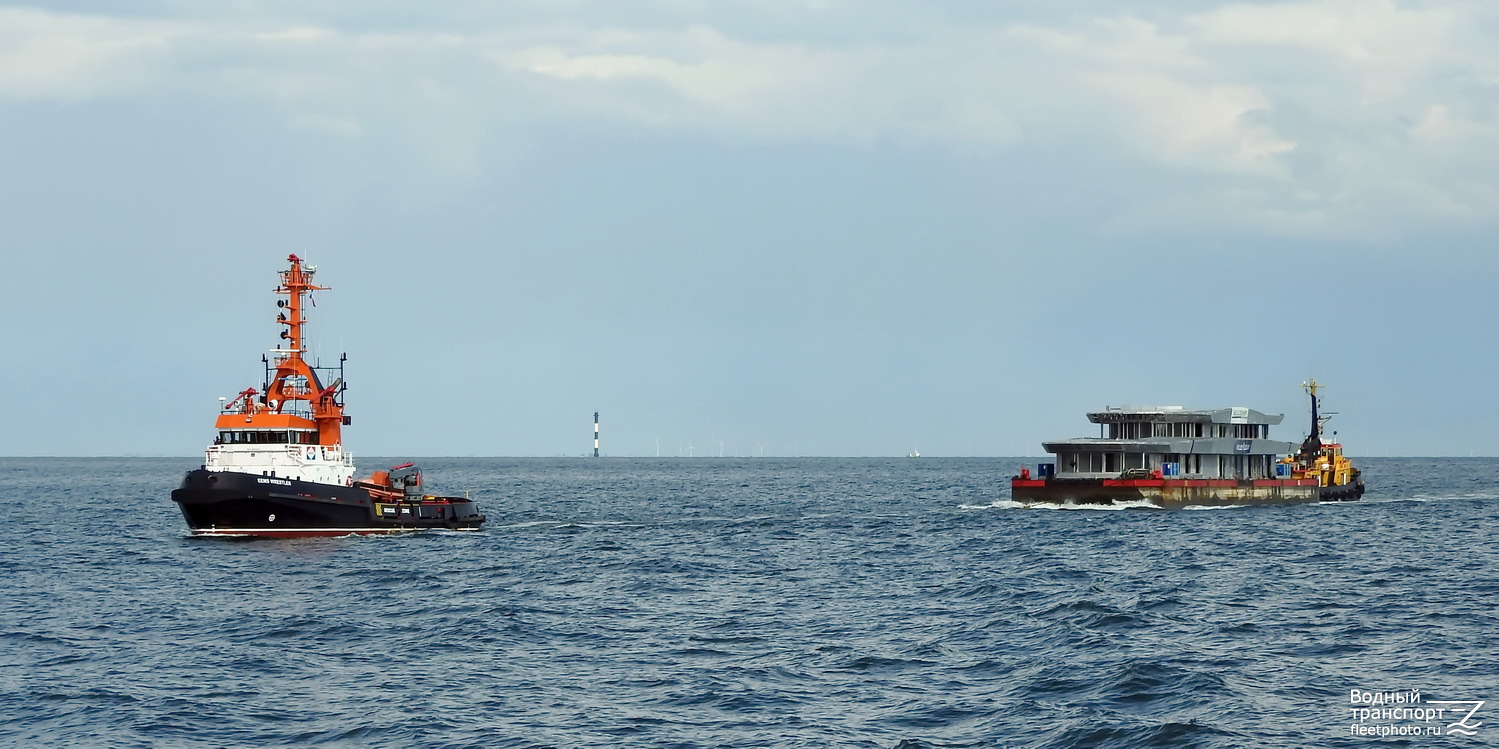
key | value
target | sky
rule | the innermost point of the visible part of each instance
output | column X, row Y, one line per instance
column 813, row 227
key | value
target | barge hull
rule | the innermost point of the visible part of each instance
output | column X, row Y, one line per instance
column 1166, row 493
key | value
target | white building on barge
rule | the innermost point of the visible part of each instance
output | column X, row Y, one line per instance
column 1225, row 443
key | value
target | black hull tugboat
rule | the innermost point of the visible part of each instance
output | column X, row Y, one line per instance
column 1170, row 457
column 278, row 468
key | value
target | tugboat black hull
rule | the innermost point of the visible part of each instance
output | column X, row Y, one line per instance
column 226, row 503
column 1343, row 493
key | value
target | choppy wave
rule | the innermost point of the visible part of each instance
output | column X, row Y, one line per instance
column 741, row 603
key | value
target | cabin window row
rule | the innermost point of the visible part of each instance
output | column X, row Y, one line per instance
column 266, row 437
column 1139, row 430
column 1198, row 466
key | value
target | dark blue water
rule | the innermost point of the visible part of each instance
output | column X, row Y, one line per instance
column 744, row 603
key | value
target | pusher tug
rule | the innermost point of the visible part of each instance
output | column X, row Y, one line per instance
column 278, row 468
column 1321, row 461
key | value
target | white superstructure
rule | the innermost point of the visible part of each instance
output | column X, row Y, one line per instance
column 323, row 464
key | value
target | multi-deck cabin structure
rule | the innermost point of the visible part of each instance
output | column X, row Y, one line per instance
column 295, row 428
column 1226, row 443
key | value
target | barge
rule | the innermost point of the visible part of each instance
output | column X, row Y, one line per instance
column 1171, row 457
column 277, row 467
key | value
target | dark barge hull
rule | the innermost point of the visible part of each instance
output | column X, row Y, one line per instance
column 1177, row 493
column 225, row 503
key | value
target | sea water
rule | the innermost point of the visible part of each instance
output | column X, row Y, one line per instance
column 750, row 603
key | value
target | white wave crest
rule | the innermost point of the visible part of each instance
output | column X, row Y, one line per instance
column 1010, row 504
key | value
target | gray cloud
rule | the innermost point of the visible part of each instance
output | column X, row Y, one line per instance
column 1329, row 118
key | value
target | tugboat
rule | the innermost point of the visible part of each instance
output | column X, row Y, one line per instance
column 1324, row 461
column 1170, row 457
column 277, row 468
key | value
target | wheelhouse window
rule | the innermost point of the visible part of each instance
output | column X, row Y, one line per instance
column 266, row 437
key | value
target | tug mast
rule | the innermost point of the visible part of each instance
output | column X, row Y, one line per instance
column 291, row 379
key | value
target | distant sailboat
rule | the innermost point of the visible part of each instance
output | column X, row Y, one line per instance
column 914, row 453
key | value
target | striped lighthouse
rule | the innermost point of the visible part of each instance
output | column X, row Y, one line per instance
column 595, row 434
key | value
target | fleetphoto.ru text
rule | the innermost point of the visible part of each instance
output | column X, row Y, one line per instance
column 1405, row 713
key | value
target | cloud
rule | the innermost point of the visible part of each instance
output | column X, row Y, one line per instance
column 1330, row 117
column 706, row 80
column 1323, row 118
column 63, row 56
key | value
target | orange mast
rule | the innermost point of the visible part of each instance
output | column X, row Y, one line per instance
column 293, row 379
